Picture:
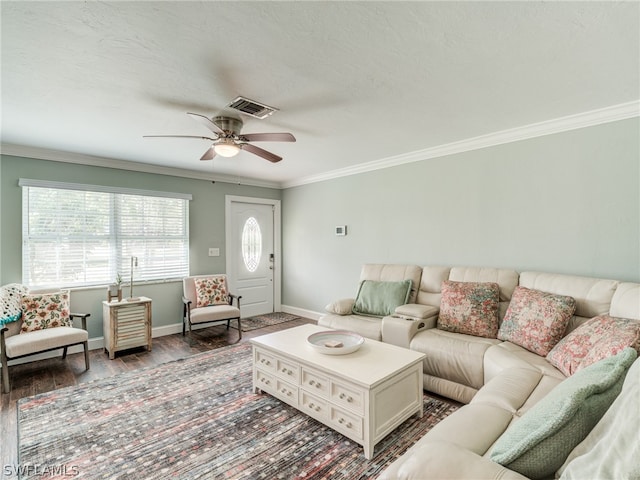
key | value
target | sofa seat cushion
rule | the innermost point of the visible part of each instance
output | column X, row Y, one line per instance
column 474, row 427
column 45, row 339
column 213, row 313
column 369, row 327
column 509, row 355
column 453, row 356
column 539, row 443
column 445, row 461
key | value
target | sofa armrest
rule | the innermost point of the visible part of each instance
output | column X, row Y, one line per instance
column 341, row 307
column 443, row 461
column 399, row 331
column 418, row 311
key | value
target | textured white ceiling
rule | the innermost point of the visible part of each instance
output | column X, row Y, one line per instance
column 355, row 82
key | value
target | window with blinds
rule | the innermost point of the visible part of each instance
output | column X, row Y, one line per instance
column 81, row 235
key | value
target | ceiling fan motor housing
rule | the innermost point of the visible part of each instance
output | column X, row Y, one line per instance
column 229, row 124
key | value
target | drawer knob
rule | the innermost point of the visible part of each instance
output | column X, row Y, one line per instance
column 342, row 421
column 342, row 395
column 349, row 399
column 312, row 383
column 311, row 405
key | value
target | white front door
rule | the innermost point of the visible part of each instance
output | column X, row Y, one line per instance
column 251, row 253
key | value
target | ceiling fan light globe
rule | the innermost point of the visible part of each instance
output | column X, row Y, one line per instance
column 226, row 149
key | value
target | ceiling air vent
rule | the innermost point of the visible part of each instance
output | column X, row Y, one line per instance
column 250, row 107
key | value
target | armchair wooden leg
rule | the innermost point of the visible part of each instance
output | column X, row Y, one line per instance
column 86, row 355
column 239, row 329
column 64, row 353
column 5, row 375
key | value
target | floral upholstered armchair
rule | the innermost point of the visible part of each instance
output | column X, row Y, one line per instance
column 206, row 299
column 35, row 322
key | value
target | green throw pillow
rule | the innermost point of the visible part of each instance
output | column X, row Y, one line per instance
column 538, row 444
column 379, row 299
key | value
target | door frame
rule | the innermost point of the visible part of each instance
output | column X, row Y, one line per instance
column 277, row 240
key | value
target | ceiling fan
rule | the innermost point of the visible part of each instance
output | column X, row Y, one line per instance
column 228, row 141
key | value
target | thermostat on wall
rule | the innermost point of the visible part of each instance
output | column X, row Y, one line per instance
column 341, row 230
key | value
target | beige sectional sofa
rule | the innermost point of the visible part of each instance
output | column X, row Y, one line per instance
column 498, row 380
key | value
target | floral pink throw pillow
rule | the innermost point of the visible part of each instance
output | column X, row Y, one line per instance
column 536, row 320
column 45, row 310
column 470, row 307
column 211, row 291
column 596, row 339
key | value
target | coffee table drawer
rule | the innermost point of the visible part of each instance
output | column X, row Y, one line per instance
column 288, row 370
column 265, row 381
column 346, row 422
column 315, row 382
column 347, row 395
column 314, row 406
column 265, row 360
column 287, row 392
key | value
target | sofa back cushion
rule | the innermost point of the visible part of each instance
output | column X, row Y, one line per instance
column 593, row 296
column 430, row 291
column 385, row 272
column 626, row 301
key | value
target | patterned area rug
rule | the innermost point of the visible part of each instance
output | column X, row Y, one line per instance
column 259, row 321
column 195, row 418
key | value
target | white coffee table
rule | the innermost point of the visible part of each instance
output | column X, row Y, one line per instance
column 363, row 395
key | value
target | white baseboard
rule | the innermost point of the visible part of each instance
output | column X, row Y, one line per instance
column 301, row 312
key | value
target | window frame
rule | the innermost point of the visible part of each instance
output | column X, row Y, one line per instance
column 173, row 240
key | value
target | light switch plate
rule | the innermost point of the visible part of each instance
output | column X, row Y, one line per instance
column 214, row 252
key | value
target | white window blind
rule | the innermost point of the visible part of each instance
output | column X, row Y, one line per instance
column 80, row 235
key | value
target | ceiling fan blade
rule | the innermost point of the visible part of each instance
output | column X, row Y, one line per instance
column 268, row 137
column 209, row 154
column 180, row 136
column 206, row 122
column 272, row 157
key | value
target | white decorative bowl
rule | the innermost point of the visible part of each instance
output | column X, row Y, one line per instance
column 335, row 342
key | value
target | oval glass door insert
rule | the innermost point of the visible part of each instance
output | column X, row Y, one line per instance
column 251, row 244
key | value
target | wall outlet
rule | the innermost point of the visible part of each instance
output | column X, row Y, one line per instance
column 214, row 252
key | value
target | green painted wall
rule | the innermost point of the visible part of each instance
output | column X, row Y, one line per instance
column 566, row 203
column 206, row 227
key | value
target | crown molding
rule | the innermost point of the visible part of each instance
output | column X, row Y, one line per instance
column 571, row 122
column 76, row 158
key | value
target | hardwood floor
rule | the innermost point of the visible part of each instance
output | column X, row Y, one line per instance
column 45, row 375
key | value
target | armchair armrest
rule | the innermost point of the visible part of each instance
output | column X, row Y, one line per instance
column 185, row 300
column 82, row 317
column 237, row 297
column 341, row 307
